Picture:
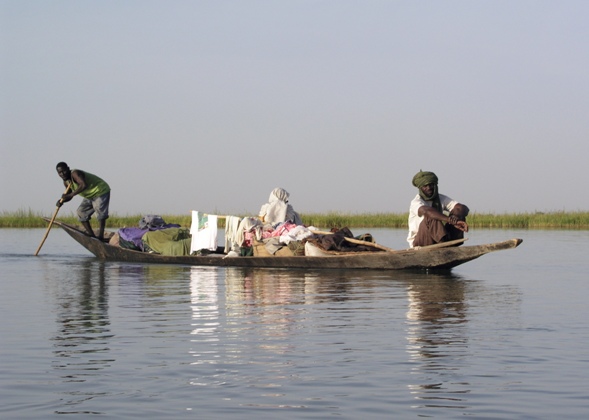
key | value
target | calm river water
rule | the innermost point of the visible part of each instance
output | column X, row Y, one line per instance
column 502, row 337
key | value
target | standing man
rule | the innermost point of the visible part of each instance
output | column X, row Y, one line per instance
column 434, row 217
column 95, row 192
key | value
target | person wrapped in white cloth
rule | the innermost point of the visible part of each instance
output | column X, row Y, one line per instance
column 278, row 210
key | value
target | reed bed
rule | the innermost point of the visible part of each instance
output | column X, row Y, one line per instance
column 33, row 219
column 537, row 220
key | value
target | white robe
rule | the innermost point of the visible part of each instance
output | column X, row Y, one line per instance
column 277, row 209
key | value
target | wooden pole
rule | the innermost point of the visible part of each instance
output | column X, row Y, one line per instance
column 440, row 244
column 52, row 220
column 358, row 241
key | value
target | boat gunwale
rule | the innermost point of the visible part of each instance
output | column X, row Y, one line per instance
column 449, row 257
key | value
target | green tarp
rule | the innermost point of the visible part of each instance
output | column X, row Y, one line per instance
column 172, row 241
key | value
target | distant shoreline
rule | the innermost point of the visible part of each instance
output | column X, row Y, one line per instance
column 537, row 220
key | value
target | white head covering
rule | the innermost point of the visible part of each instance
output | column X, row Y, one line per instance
column 274, row 211
column 279, row 194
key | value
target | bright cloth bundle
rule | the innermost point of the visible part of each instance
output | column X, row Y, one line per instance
column 204, row 232
column 172, row 241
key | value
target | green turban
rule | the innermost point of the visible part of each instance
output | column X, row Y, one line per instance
column 422, row 178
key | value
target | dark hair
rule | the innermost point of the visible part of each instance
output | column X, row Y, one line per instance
column 61, row 165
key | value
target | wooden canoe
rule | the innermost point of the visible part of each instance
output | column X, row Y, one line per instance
column 435, row 257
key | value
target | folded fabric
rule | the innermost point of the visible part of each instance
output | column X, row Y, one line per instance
column 297, row 234
column 173, row 241
column 131, row 237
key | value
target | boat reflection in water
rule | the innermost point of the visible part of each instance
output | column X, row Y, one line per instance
column 437, row 337
column 256, row 336
column 441, row 342
column 286, row 323
column 204, row 302
column 82, row 342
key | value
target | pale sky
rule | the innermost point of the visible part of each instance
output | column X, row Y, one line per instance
column 209, row 105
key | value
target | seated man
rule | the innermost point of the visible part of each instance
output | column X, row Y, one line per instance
column 277, row 209
column 434, row 217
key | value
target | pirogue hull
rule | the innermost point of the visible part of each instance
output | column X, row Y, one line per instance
column 425, row 258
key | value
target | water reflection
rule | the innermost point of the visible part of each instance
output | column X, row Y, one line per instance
column 204, row 300
column 437, row 337
column 267, row 288
column 246, row 321
column 269, row 299
column 438, row 312
column 263, row 329
column 276, row 299
column 439, row 342
column 82, row 342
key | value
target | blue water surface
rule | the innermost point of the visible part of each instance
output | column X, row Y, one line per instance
column 501, row 337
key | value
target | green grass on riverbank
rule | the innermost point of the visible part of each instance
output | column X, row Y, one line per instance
column 537, row 220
